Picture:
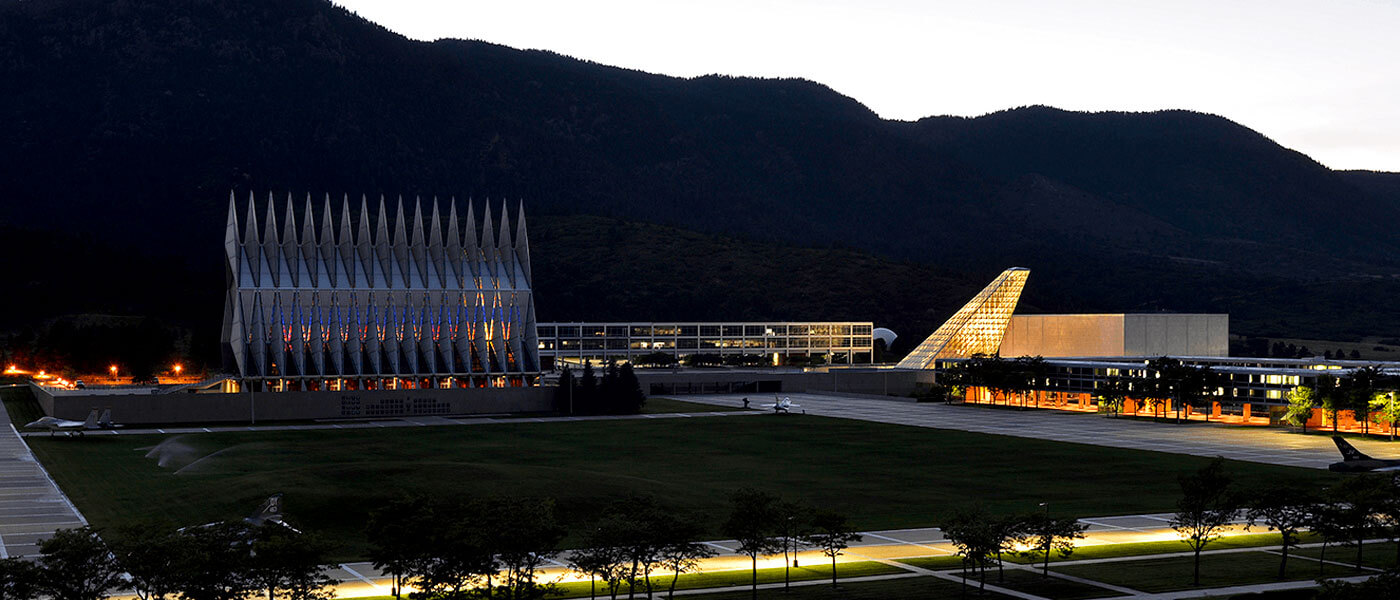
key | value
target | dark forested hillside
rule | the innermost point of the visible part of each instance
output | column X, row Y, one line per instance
column 127, row 123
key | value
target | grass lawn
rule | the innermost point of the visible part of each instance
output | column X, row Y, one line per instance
column 882, row 476
column 1046, row 587
column 21, row 405
column 924, row 588
column 1377, row 556
column 1217, row 570
column 657, row 406
column 732, row 578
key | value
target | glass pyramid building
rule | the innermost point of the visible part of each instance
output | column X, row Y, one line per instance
column 977, row 328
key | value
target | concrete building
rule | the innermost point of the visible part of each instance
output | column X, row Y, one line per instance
column 776, row 343
column 323, row 304
column 1117, row 335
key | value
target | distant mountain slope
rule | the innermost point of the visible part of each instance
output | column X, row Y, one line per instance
column 126, row 123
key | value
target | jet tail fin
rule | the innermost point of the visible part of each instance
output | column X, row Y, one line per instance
column 106, row 419
column 271, row 510
column 91, row 421
column 1349, row 452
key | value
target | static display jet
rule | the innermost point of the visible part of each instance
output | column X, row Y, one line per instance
column 782, row 406
column 270, row 511
column 55, row 424
column 1354, row 461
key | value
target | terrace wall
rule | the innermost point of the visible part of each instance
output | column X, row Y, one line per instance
column 147, row 408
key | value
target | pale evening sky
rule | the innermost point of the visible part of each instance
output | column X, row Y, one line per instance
column 1318, row 77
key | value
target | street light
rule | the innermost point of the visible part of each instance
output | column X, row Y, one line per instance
column 178, row 367
column 113, row 370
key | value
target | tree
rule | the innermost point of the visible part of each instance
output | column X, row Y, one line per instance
column 1205, row 509
column 1360, row 388
column 791, row 530
column 1008, row 535
column 564, row 392
column 974, row 537
column 751, row 522
column 77, row 565
column 395, row 532
column 679, row 552
column 1387, row 406
column 1331, row 396
column 1046, row 535
column 19, row 579
column 1325, row 521
column 1301, row 401
column 586, row 395
column 629, row 390
column 1110, row 395
column 526, row 536
column 1030, row 372
column 151, row 555
column 603, row 555
column 216, row 562
column 455, row 555
column 1356, row 503
column 287, row 564
column 1286, row 509
column 832, row 534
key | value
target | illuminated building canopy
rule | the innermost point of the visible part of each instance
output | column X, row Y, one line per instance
column 324, row 298
column 977, row 327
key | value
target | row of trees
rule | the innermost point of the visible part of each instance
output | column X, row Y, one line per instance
column 222, row 561
column 1347, row 513
column 441, row 549
column 982, row 539
column 1160, row 380
column 617, row 392
column 1368, row 393
column 450, row 550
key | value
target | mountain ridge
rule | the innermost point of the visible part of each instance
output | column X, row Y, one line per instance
column 133, row 120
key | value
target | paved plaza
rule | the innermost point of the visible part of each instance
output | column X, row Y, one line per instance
column 1255, row 444
column 31, row 506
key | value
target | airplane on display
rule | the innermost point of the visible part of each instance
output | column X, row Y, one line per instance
column 784, row 405
column 1354, row 461
column 93, row 421
column 270, row 511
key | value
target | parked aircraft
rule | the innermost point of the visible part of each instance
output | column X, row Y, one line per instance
column 55, row 424
column 1354, row 461
column 784, row 405
column 270, row 511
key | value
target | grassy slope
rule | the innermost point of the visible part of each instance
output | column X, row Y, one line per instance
column 883, row 476
column 20, row 404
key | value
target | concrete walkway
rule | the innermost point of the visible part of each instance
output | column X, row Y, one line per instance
column 31, row 506
column 1255, row 444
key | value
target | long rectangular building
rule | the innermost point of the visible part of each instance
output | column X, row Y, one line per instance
column 779, row 343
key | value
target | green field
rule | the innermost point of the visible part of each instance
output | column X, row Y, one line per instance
column 882, row 476
column 1217, row 570
column 923, row 588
